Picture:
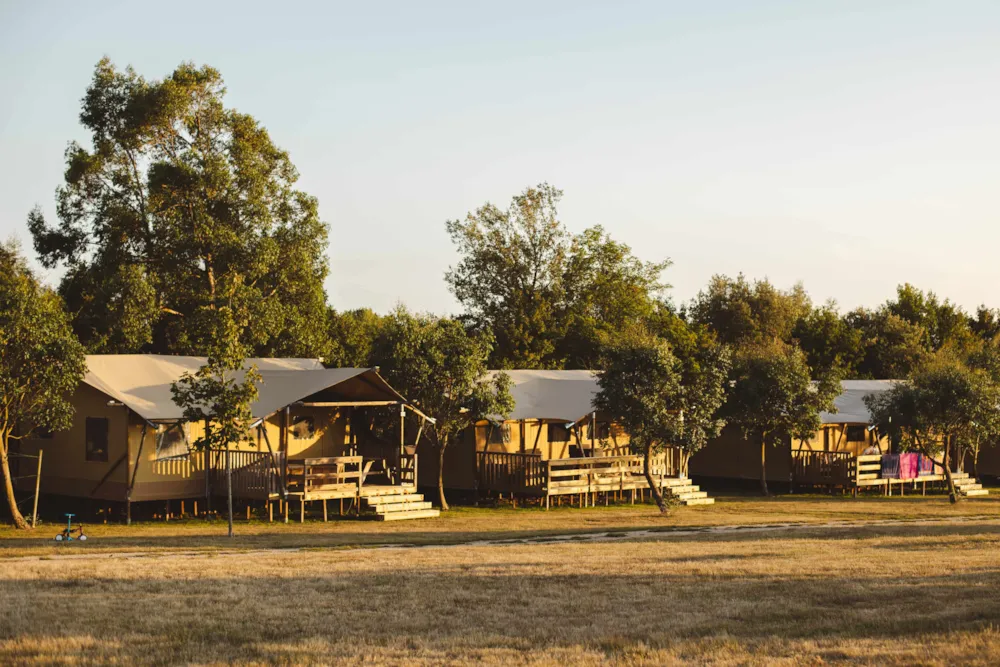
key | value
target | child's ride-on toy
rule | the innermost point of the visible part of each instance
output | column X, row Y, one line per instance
column 67, row 534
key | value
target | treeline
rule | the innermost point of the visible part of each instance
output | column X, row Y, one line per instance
column 181, row 231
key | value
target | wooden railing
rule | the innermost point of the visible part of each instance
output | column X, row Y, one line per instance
column 511, row 473
column 529, row 474
column 809, row 467
column 408, row 469
column 256, row 475
column 332, row 476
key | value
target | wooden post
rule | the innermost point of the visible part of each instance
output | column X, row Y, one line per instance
column 302, row 509
column 285, row 511
column 324, row 510
column 195, row 502
column 38, row 483
column 229, row 489
column 270, row 512
column 206, row 454
column 402, row 442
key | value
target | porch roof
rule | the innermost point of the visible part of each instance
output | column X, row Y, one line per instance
column 142, row 382
column 850, row 403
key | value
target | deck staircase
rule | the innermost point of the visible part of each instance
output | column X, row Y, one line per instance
column 396, row 503
column 682, row 490
column 968, row 486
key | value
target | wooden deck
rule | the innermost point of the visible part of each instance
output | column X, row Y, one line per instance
column 529, row 475
column 853, row 473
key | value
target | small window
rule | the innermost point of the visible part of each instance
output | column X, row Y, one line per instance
column 603, row 431
column 856, row 433
column 97, row 439
column 172, row 442
column 302, row 427
column 499, row 434
column 558, row 433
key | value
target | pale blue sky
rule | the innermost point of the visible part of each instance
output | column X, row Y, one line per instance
column 849, row 145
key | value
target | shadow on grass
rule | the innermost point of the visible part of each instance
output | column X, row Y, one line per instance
column 203, row 619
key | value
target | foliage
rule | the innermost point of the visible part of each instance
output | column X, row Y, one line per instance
column 442, row 369
column 772, row 395
column 893, row 346
column 828, row 341
column 660, row 399
column 352, row 335
column 944, row 399
column 179, row 203
column 740, row 312
column 41, row 361
column 550, row 299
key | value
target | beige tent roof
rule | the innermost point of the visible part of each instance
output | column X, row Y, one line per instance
column 142, row 382
column 850, row 404
column 559, row 395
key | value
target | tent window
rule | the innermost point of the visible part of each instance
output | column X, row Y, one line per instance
column 558, row 433
column 172, row 442
column 499, row 435
column 856, row 434
column 302, row 427
column 97, row 439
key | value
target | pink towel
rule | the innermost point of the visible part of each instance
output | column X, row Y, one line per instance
column 909, row 465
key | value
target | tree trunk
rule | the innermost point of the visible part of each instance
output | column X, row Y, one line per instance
column 763, row 464
column 653, row 487
column 8, row 483
column 229, row 489
column 975, row 460
column 952, row 493
column 444, row 503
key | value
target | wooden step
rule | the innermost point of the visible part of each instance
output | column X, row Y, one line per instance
column 691, row 495
column 372, row 491
column 969, row 487
column 683, row 489
column 402, row 507
column 976, row 492
column 675, row 481
column 410, row 514
column 699, row 501
column 398, row 498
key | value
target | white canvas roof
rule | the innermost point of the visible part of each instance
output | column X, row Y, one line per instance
column 559, row 395
column 142, row 381
column 850, row 404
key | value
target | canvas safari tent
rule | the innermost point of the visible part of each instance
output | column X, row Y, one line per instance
column 129, row 442
column 553, row 443
column 848, row 430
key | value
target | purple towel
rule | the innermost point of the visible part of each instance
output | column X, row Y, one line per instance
column 909, row 465
column 926, row 465
column 890, row 466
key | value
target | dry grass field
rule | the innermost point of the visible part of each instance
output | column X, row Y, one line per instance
column 920, row 583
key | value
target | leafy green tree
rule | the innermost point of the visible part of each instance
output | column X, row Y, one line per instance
column 772, row 396
column 442, row 368
column 986, row 323
column 942, row 400
column 893, row 346
column 222, row 392
column 509, row 278
column 663, row 399
column 828, row 341
column 551, row 300
column 352, row 336
column 740, row 312
column 944, row 322
column 41, row 362
column 178, row 205
column 607, row 289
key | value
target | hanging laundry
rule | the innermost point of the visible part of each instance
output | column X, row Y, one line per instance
column 890, row 466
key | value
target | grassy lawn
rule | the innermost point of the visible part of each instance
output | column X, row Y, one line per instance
column 907, row 580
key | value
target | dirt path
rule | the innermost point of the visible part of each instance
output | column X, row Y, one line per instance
column 580, row 537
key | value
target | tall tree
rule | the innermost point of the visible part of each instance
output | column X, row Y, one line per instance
column 41, row 362
column 179, row 204
column 772, row 396
column 442, row 368
column 221, row 392
column 663, row 400
column 740, row 312
column 892, row 346
column 509, row 278
column 607, row 289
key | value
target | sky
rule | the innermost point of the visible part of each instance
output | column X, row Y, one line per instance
column 852, row 146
